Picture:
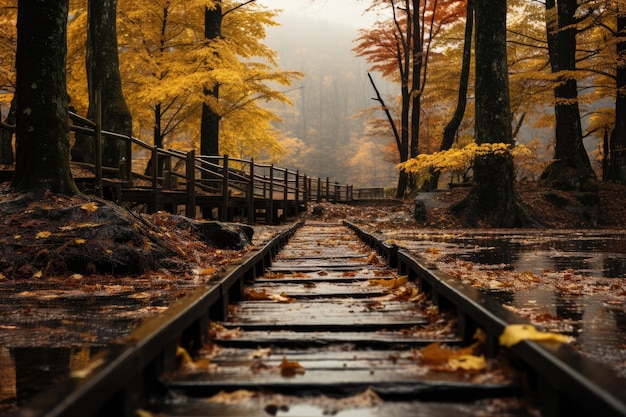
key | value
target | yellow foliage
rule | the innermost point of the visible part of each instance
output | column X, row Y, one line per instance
column 43, row 235
column 515, row 333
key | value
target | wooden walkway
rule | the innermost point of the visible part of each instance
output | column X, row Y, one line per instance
column 211, row 187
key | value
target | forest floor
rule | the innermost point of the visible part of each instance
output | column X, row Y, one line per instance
column 552, row 208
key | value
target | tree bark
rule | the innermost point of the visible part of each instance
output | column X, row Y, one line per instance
column 571, row 168
column 451, row 129
column 42, row 130
column 103, row 74
column 210, row 124
column 492, row 200
column 617, row 147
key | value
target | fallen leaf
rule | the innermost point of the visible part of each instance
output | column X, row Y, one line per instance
column 390, row 283
column 238, row 396
column 467, row 363
column 438, row 354
column 261, row 353
column 2, row 277
column 208, row 271
column 43, row 235
column 80, row 241
column 290, row 369
column 89, row 207
column 38, row 274
column 282, row 298
column 515, row 333
column 252, row 294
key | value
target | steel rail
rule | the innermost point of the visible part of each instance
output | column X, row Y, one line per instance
column 120, row 379
column 564, row 381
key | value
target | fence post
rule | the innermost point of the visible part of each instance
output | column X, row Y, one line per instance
column 305, row 197
column 128, row 163
column 155, row 179
column 190, row 168
column 297, row 191
column 98, row 140
column 224, row 214
column 251, row 193
column 337, row 195
column 327, row 189
column 318, row 197
column 270, row 209
column 285, row 192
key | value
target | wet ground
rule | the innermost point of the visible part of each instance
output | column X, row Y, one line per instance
column 573, row 282
column 51, row 326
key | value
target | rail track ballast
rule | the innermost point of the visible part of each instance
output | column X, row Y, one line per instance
column 326, row 319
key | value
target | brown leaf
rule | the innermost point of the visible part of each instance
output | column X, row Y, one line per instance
column 290, row 369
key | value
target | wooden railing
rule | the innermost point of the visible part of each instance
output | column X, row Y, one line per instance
column 215, row 183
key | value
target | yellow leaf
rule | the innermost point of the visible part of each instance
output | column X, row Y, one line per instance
column 43, row 235
column 38, row 274
column 438, row 354
column 390, row 283
column 208, row 271
column 182, row 356
column 467, row 363
column 2, row 277
column 80, row 241
column 515, row 333
column 109, row 251
column 16, row 237
column 289, row 369
column 89, row 207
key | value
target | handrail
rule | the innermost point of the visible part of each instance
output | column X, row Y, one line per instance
column 271, row 187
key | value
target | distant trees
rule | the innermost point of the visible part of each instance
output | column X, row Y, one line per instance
column 399, row 49
column 42, row 131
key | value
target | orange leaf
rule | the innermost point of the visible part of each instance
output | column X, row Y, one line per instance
column 290, row 369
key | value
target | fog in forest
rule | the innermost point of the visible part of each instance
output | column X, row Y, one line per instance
column 321, row 131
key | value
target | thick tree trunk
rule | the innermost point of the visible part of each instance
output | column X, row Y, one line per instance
column 210, row 123
column 492, row 200
column 617, row 161
column 42, row 131
column 571, row 168
column 103, row 75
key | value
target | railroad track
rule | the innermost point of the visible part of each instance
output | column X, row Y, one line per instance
column 327, row 319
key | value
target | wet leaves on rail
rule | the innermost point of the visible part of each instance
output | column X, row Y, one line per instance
column 515, row 333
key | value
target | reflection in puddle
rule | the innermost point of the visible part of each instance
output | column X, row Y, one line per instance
column 594, row 313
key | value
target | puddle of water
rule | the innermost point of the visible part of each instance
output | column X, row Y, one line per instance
column 597, row 321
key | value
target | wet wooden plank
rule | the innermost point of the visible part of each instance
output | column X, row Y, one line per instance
column 401, row 382
column 306, row 289
column 263, row 406
column 348, row 339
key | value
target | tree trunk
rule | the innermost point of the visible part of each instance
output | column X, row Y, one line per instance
column 42, row 131
column 103, row 75
column 6, row 151
column 210, row 124
column 571, row 168
column 451, row 129
column 492, row 200
column 617, row 161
